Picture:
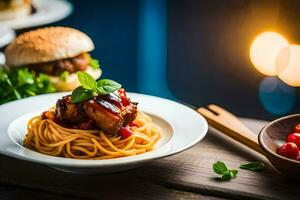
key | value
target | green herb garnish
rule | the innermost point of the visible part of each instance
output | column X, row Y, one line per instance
column 221, row 169
column 86, row 80
column 253, row 166
column 64, row 76
column 94, row 63
column 81, row 94
column 89, row 86
column 20, row 83
column 106, row 86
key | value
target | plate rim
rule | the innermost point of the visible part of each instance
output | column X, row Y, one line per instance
column 38, row 5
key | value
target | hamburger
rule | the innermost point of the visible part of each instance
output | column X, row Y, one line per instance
column 11, row 9
column 58, row 52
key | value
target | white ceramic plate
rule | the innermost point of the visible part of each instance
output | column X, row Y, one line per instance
column 6, row 35
column 2, row 59
column 182, row 128
column 47, row 11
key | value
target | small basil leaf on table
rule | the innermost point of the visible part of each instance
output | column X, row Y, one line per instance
column 253, row 166
column 221, row 169
column 233, row 173
column 106, row 86
column 81, row 94
column 86, row 80
column 226, row 177
column 230, row 174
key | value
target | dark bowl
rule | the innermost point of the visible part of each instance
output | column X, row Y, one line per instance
column 272, row 136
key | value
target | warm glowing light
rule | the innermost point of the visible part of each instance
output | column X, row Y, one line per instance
column 264, row 51
column 288, row 65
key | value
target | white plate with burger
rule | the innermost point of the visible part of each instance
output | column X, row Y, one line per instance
column 19, row 14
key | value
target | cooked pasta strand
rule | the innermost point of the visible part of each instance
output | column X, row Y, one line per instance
column 47, row 137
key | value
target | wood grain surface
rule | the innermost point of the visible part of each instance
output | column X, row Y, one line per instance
column 187, row 175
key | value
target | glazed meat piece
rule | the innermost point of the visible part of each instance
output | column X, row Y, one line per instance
column 106, row 112
column 69, row 113
column 129, row 113
column 128, row 108
column 105, row 115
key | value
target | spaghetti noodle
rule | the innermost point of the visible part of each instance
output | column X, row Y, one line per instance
column 47, row 137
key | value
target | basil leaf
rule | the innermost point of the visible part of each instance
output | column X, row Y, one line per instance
column 233, row 173
column 220, row 168
column 230, row 174
column 86, row 80
column 81, row 94
column 106, row 86
column 64, row 76
column 226, row 177
column 24, row 76
column 30, row 93
column 3, row 74
column 17, row 94
column 94, row 63
column 253, row 166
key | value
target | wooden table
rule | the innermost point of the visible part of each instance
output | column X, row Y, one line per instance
column 187, row 175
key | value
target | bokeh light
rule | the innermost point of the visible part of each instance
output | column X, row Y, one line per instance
column 288, row 65
column 276, row 97
column 264, row 51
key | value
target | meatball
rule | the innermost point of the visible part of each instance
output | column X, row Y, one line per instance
column 103, row 112
column 69, row 113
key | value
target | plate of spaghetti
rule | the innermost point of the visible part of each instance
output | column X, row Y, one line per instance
column 98, row 128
